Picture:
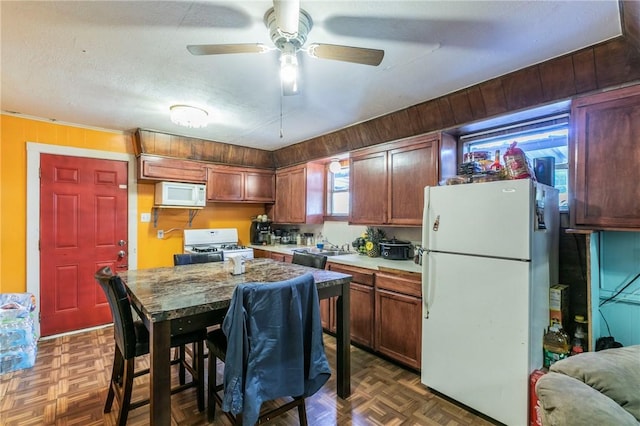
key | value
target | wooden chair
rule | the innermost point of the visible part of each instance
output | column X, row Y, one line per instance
column 132, row 340
column 286, row 312
column 309, row 259
column 189, row 258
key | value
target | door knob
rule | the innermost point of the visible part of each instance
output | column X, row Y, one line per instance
column 121, row 253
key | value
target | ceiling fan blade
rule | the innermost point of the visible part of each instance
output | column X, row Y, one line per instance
column 223, row 49
column 287, row 16
column 358, row 55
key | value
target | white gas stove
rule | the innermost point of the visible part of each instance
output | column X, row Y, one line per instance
column 212, row 240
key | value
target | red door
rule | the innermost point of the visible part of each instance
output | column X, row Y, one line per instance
column 83, row 227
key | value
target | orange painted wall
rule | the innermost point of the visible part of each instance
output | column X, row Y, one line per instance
column 16, row 131
column 154, row 252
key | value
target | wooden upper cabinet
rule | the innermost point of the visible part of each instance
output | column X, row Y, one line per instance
column 387, row 181
column 259, row 185
column 368, row 188
column 154, row 168
column 299, row 194
column 237, row 184
column 605, row 145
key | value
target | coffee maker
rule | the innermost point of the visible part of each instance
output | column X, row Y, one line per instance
column 260, row 232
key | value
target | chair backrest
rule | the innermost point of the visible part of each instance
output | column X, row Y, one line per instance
column 189, row 258
column 309, row 259
column 275, row 345
column 123, row 326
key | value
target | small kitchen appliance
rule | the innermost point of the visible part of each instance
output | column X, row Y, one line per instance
column 212, row 240
column 259, row 232
column 180, row 194
column 396, row 249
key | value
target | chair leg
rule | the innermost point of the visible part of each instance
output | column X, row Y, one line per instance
column 127, row 386
column 181, row 368
column 302, row 413
column 116, row 377
column 211, row 400
column 197, row 358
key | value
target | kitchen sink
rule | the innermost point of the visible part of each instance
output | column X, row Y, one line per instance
column 334, row 252
column 325, row 252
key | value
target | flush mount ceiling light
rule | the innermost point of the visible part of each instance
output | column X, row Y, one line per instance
column 334, row 166
column 189, row 116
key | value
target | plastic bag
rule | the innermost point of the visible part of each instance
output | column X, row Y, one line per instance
column 517, row 164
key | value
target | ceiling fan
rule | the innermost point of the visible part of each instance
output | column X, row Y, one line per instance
column 288, row 27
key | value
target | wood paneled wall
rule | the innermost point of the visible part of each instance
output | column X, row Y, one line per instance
column 630, row 16
column 151, row 142
column 605, row 65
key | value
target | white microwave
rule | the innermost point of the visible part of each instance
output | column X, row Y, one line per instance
column 180, row 194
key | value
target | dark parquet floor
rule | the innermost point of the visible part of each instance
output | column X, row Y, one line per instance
column 68, row 385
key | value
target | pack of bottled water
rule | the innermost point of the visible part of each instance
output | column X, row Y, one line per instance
column 18, row 338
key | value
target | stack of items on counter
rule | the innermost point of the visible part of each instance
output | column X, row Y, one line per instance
column 477, row 167
column 18, row 339
column 369, row 242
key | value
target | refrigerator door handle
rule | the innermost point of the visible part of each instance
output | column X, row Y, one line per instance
column 426, row 230
column 425, row 286
column 425, row 218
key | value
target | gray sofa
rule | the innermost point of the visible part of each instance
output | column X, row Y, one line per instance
column 593, row 388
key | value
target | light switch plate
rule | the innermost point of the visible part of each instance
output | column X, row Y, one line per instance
column 145, row 217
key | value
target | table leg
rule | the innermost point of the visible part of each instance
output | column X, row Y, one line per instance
column 343, row 343
column 160, row 373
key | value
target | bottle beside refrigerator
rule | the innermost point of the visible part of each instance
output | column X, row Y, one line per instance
column 555, row 344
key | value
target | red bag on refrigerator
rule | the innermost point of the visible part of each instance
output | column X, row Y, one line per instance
column 517, row 164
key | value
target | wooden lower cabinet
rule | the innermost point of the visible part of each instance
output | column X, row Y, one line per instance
column 261, row 254
column 327, row 314
column 281, row 257
column 398, row 318
column 361, row 305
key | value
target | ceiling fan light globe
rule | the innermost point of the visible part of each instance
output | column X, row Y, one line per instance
column 288, row 67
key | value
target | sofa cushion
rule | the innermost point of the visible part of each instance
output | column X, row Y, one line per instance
column 613, row 372
column 569, row 402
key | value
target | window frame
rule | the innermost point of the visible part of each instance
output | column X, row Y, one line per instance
column 519, row 129
column 329, row 179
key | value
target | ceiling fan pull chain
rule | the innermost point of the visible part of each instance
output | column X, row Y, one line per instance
column 281, row 133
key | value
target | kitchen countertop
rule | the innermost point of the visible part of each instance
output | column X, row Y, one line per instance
column 361, row 261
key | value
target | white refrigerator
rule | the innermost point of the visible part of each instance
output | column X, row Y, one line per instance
column 491, row 253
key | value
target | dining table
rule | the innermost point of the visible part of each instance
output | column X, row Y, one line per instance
column 179, row 299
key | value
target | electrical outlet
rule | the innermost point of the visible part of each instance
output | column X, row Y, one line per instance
column 145, row 217
column 160, row 234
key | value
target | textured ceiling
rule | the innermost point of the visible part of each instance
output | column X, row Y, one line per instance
column 120, row 65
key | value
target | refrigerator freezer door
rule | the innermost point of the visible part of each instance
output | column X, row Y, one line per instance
column 476, row 341
column 487, row 219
